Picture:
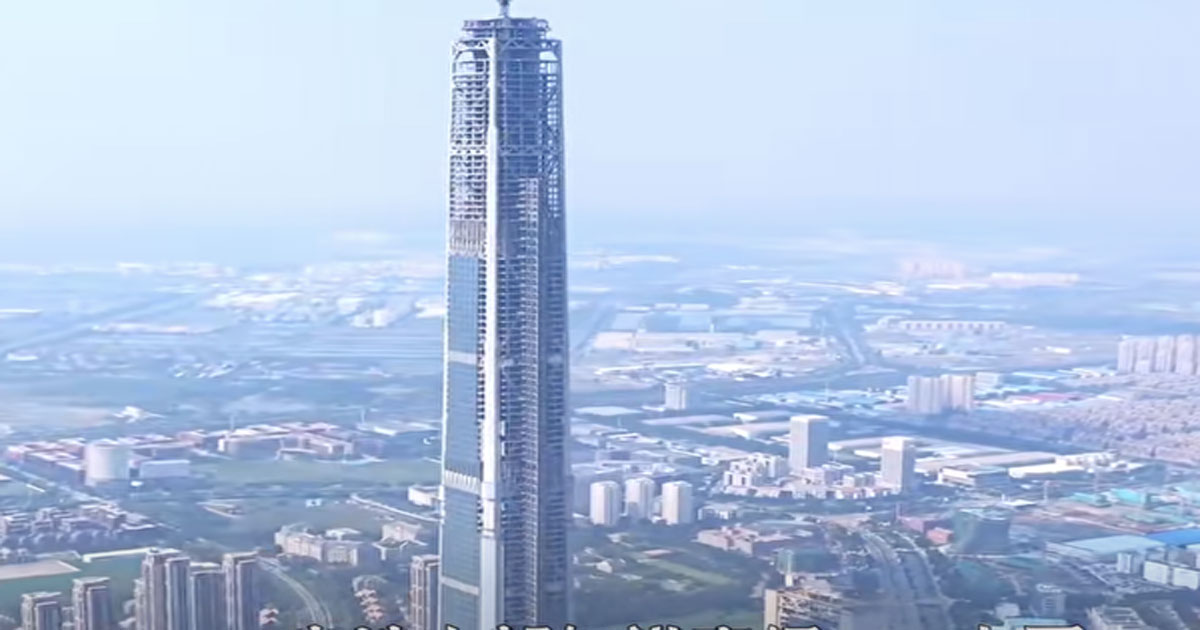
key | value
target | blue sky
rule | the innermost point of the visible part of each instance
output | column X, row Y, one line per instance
column 333, row 113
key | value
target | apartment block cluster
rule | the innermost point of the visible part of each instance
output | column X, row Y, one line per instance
column 637, row 501
column 172, row 592
column 1165, row 354
column 935, row 395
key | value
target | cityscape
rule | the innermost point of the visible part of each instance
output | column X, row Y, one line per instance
column 512, row 426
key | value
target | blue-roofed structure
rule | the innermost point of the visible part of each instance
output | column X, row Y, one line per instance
column 1178, row 537
column 1106, row 548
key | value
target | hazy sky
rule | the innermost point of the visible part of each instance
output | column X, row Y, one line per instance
column 165, row 113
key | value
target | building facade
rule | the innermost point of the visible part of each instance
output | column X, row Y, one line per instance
column 639, row 498
column 605, row 508
column 678, row 507
column 505, row 476
column 423, row 593
column 93, row 603
column 808, row 442
column 206, row 596
column 41, row 611
column 241, row 590
column 898, row 464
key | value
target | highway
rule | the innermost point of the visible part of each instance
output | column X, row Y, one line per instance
column 315, row 610
column 908, row 586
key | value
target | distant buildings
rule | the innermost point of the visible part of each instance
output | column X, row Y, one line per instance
column 423, row 593
column 676, row 397
column 1116, row 618
column 337, row 546
column 1158, row 355
column 821, row 604
column 639, row 498
column 678, row 507
column 41, row 611
column 605, row 510
column 808, row 442
column 746, row 541
column 934, row 395
column 92, row 601
column 1049, row 600
column 982, row 531
column 107, row 462
column 898, row 464
column 759, row 468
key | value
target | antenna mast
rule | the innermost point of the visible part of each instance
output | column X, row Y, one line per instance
column 504, row 7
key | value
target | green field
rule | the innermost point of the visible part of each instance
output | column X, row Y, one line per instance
column 682, row 570
column 397, row 472
column 121, row 570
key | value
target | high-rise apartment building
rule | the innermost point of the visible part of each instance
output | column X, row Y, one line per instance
column 808, row 442
column 1145, row 362
column 639, row 498
column 92, row 601
column 678, row 506
column 1049, row 600
column 933, row 395
column 41, row 611
column 1164, row 354
column 206, row 596
column 423, row 593
column 1185, row 355
column 1127, row 355
column 505, row 473
column 164, row 590
column 676, row 397
column 898, row 463
column 605, row 506
column 241, row 590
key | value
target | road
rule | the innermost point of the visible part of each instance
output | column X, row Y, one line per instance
column 316, row 611
column 907, row 587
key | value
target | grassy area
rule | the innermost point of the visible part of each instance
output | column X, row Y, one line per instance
column 122, row 571
column 696, row 575
column 260, row 519
column 399, row 472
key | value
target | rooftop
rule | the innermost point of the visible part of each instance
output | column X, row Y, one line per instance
column 1114, row 544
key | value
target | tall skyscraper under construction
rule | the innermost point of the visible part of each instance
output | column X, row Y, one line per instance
column 504, row 554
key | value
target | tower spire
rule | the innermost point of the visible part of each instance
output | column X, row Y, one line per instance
column 504, row 7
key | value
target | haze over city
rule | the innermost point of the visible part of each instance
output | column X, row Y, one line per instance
column 523, row 314
column 918, row 116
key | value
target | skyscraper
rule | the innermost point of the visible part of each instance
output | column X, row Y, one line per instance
column 898, row 461
column 241, row 590
column 605, row 506
column 423, row 593
column 504, row 554
column 41, row 611
column 92, row 600
column 678, row 507
column 206, row 596
column 639, row 498
column 808, row 442
column 164, row 590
